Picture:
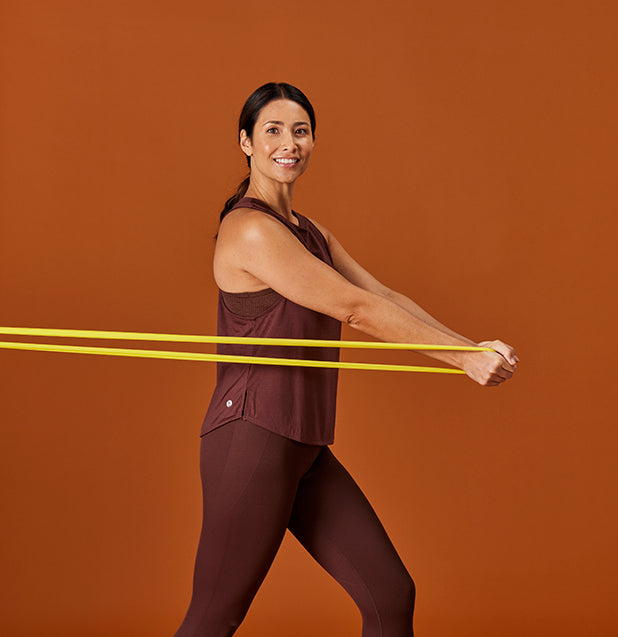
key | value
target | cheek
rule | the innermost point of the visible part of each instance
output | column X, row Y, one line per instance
column 270, row 148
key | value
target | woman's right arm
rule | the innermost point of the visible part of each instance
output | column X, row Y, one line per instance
column 265, row 249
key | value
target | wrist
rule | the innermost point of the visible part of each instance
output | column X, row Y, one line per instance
column 460, row 359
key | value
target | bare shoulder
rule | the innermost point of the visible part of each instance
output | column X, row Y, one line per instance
column 243, row 225
column 244, row 234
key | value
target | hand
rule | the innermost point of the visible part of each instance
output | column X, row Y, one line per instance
column 491, row 368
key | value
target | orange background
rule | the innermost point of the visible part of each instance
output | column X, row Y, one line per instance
column 465, row 155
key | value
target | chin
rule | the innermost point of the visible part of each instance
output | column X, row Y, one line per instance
column 287, row 180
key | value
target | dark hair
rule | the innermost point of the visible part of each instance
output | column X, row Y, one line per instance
column 255, row 102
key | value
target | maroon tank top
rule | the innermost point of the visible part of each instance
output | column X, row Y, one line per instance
column 295, row 402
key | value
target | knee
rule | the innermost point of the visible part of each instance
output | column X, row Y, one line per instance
column 392, row 608
column 407, row 591
column 386, row 602
column 400, row 597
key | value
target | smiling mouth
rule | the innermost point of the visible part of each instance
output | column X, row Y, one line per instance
column 286, row 162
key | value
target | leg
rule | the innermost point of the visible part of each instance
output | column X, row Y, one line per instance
column 334, row 521
column 249, row 480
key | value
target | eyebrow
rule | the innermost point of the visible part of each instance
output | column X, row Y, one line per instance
column 272, row 121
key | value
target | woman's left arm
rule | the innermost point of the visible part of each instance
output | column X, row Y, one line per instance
column 355, row 273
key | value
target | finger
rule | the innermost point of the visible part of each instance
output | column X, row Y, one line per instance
column 504, row 372
column 505, row 364
column 502, row 375
column 509, row 368
column 506, row 352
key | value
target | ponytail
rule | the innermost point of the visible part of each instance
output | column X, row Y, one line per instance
column 236, row 197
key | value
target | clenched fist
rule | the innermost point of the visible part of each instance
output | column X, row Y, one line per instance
column 491, row 368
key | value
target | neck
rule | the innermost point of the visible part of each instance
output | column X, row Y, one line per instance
column 279, row 197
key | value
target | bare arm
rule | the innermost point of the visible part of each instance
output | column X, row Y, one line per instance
column 355, row 273
column 264, row 248
column 410, row 306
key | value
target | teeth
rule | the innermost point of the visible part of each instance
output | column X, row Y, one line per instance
column 286, row 161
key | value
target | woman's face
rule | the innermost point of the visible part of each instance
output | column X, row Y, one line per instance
column 282, row 132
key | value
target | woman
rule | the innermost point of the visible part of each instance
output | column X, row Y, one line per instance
column 264, row 458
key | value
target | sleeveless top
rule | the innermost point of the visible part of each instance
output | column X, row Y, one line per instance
column 295, row 402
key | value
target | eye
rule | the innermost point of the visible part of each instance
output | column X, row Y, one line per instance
column 303, row 130
column 271, row 128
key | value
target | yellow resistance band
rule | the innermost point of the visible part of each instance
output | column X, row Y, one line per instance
column 259, row 360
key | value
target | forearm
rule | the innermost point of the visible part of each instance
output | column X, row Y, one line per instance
column 387, row 320
column 410, row 306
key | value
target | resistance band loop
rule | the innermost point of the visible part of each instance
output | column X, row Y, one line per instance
column 228, row 358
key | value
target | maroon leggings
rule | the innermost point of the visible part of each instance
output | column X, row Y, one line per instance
column 255, row 485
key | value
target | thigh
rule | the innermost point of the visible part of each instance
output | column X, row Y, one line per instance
column 335, row 522
column 249, row 480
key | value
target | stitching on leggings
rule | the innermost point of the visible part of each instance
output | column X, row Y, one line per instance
column 227, row 537
column 349, row 561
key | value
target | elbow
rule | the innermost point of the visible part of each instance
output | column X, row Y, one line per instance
column 358, row 312
column 353, row 319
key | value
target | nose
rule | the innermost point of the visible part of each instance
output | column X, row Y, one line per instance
column 287, row 141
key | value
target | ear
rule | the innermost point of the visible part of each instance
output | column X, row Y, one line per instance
column 245, row 143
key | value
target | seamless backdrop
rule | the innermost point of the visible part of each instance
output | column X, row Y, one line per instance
column 465, row 155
